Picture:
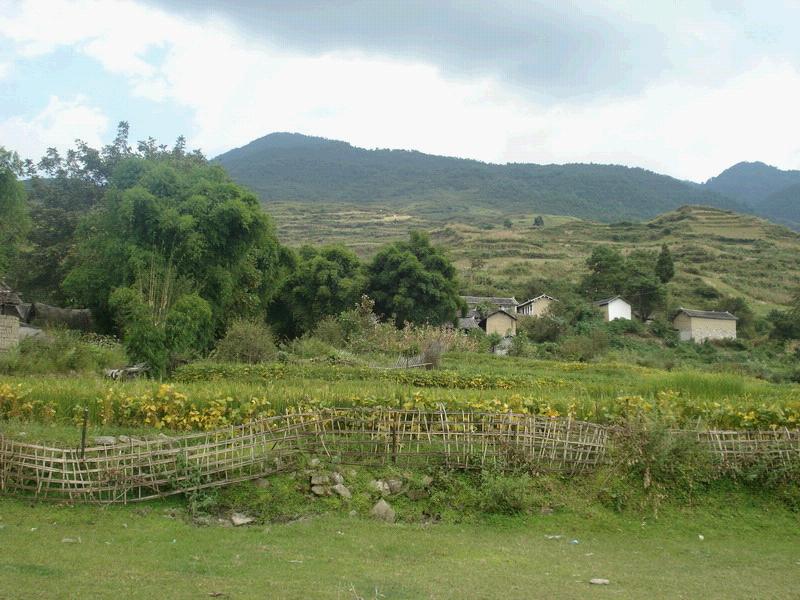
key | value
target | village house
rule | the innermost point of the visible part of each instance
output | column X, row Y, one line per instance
column 702, row 325
column 536, row 307
column 507, row 304
column 614, row 308
column 500, row 322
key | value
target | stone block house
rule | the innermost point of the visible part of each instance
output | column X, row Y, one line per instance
column 500, row 322
column 614, row 308
column 536, row 307
column 496, row 314
column 702, row 325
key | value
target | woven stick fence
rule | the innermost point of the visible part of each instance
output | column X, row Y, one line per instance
column 141, row 470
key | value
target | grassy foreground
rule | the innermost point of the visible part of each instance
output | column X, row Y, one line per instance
column 750, row 549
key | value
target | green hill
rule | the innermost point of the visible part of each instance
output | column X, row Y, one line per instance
column 716, row 252
column 784, row 206
column 294, row 167
column 752, row 182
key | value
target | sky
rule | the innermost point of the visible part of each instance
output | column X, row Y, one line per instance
column 682, row 87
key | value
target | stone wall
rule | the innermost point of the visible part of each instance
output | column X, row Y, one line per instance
column 9, row 332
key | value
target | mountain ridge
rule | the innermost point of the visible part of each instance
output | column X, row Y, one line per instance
column 295, row 167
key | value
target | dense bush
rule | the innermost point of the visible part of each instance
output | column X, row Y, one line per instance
column 540, row 329
column 246, row 342
column 63, row 351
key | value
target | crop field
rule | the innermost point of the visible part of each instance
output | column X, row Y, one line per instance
column 734, row 254
column 204, row 396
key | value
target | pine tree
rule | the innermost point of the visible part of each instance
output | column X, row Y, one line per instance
column 665, row 268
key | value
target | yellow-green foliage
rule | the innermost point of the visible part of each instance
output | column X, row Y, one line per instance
column 210, row 395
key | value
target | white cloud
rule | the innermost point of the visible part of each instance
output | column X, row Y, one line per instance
column 58, row 125
column 236, row 89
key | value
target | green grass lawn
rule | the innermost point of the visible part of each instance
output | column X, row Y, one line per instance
column 750, row 549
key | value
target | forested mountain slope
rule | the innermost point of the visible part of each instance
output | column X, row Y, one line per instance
column 294, row 167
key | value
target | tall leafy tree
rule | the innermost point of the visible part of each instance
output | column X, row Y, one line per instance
column 326, row 281
column 413, row 281
column 174, row 217
column 607, row 273
column 665, row 267
column 14, row 219
column 62, row 189
column 633, row 277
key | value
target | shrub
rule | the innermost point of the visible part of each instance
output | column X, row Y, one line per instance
column 330, row 331
column 311, row 347
column 540, row 329
column 63, row 351
column 504, row 494
column 246, row 341
column 585, row 347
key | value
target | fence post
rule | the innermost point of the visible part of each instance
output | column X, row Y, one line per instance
column 83, row 430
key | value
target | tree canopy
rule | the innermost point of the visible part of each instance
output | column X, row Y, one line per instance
column 413, row 281
column 14, row 220
column 325, row 281
column 173, row 217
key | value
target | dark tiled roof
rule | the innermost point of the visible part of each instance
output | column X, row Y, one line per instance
column 541, row 297
column 508, row 314
column 467, row 323
column 708, row 314
column 7, row 295
column 608, row 301
column 490, row 300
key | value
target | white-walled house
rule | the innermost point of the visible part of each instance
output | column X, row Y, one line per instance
column 614, row 308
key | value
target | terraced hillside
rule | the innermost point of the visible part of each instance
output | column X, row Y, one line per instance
column 715, row 251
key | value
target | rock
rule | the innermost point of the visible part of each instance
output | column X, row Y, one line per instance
column 320, row 480
column 105, row 440
column 383, row 511
column 71, row 540
column 313, row 463
column 380, row 486
column 239, row 519
column 395, row 485
column 261, row 483
column 546, row 510
column 124, row 439
column 417, row 494
column 353, row 513
column 426, row 481
column 337, row 478
column 598, row 581
column 342, row 490
column 319, row 490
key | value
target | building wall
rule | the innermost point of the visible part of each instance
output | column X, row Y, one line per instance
column 618, row 309
column 502, row 324
column 683, row 324
column 713, row 329
column 9, row 332
column 536, row 309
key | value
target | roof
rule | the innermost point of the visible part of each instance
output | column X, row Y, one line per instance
column 609, row 301
column 467, row 323
column 491, row 300
column 708, row 314
column 7, row 295
column 540, row 297
column 498, row 311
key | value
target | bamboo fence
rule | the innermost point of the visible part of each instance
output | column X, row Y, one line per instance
column 141, row 470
